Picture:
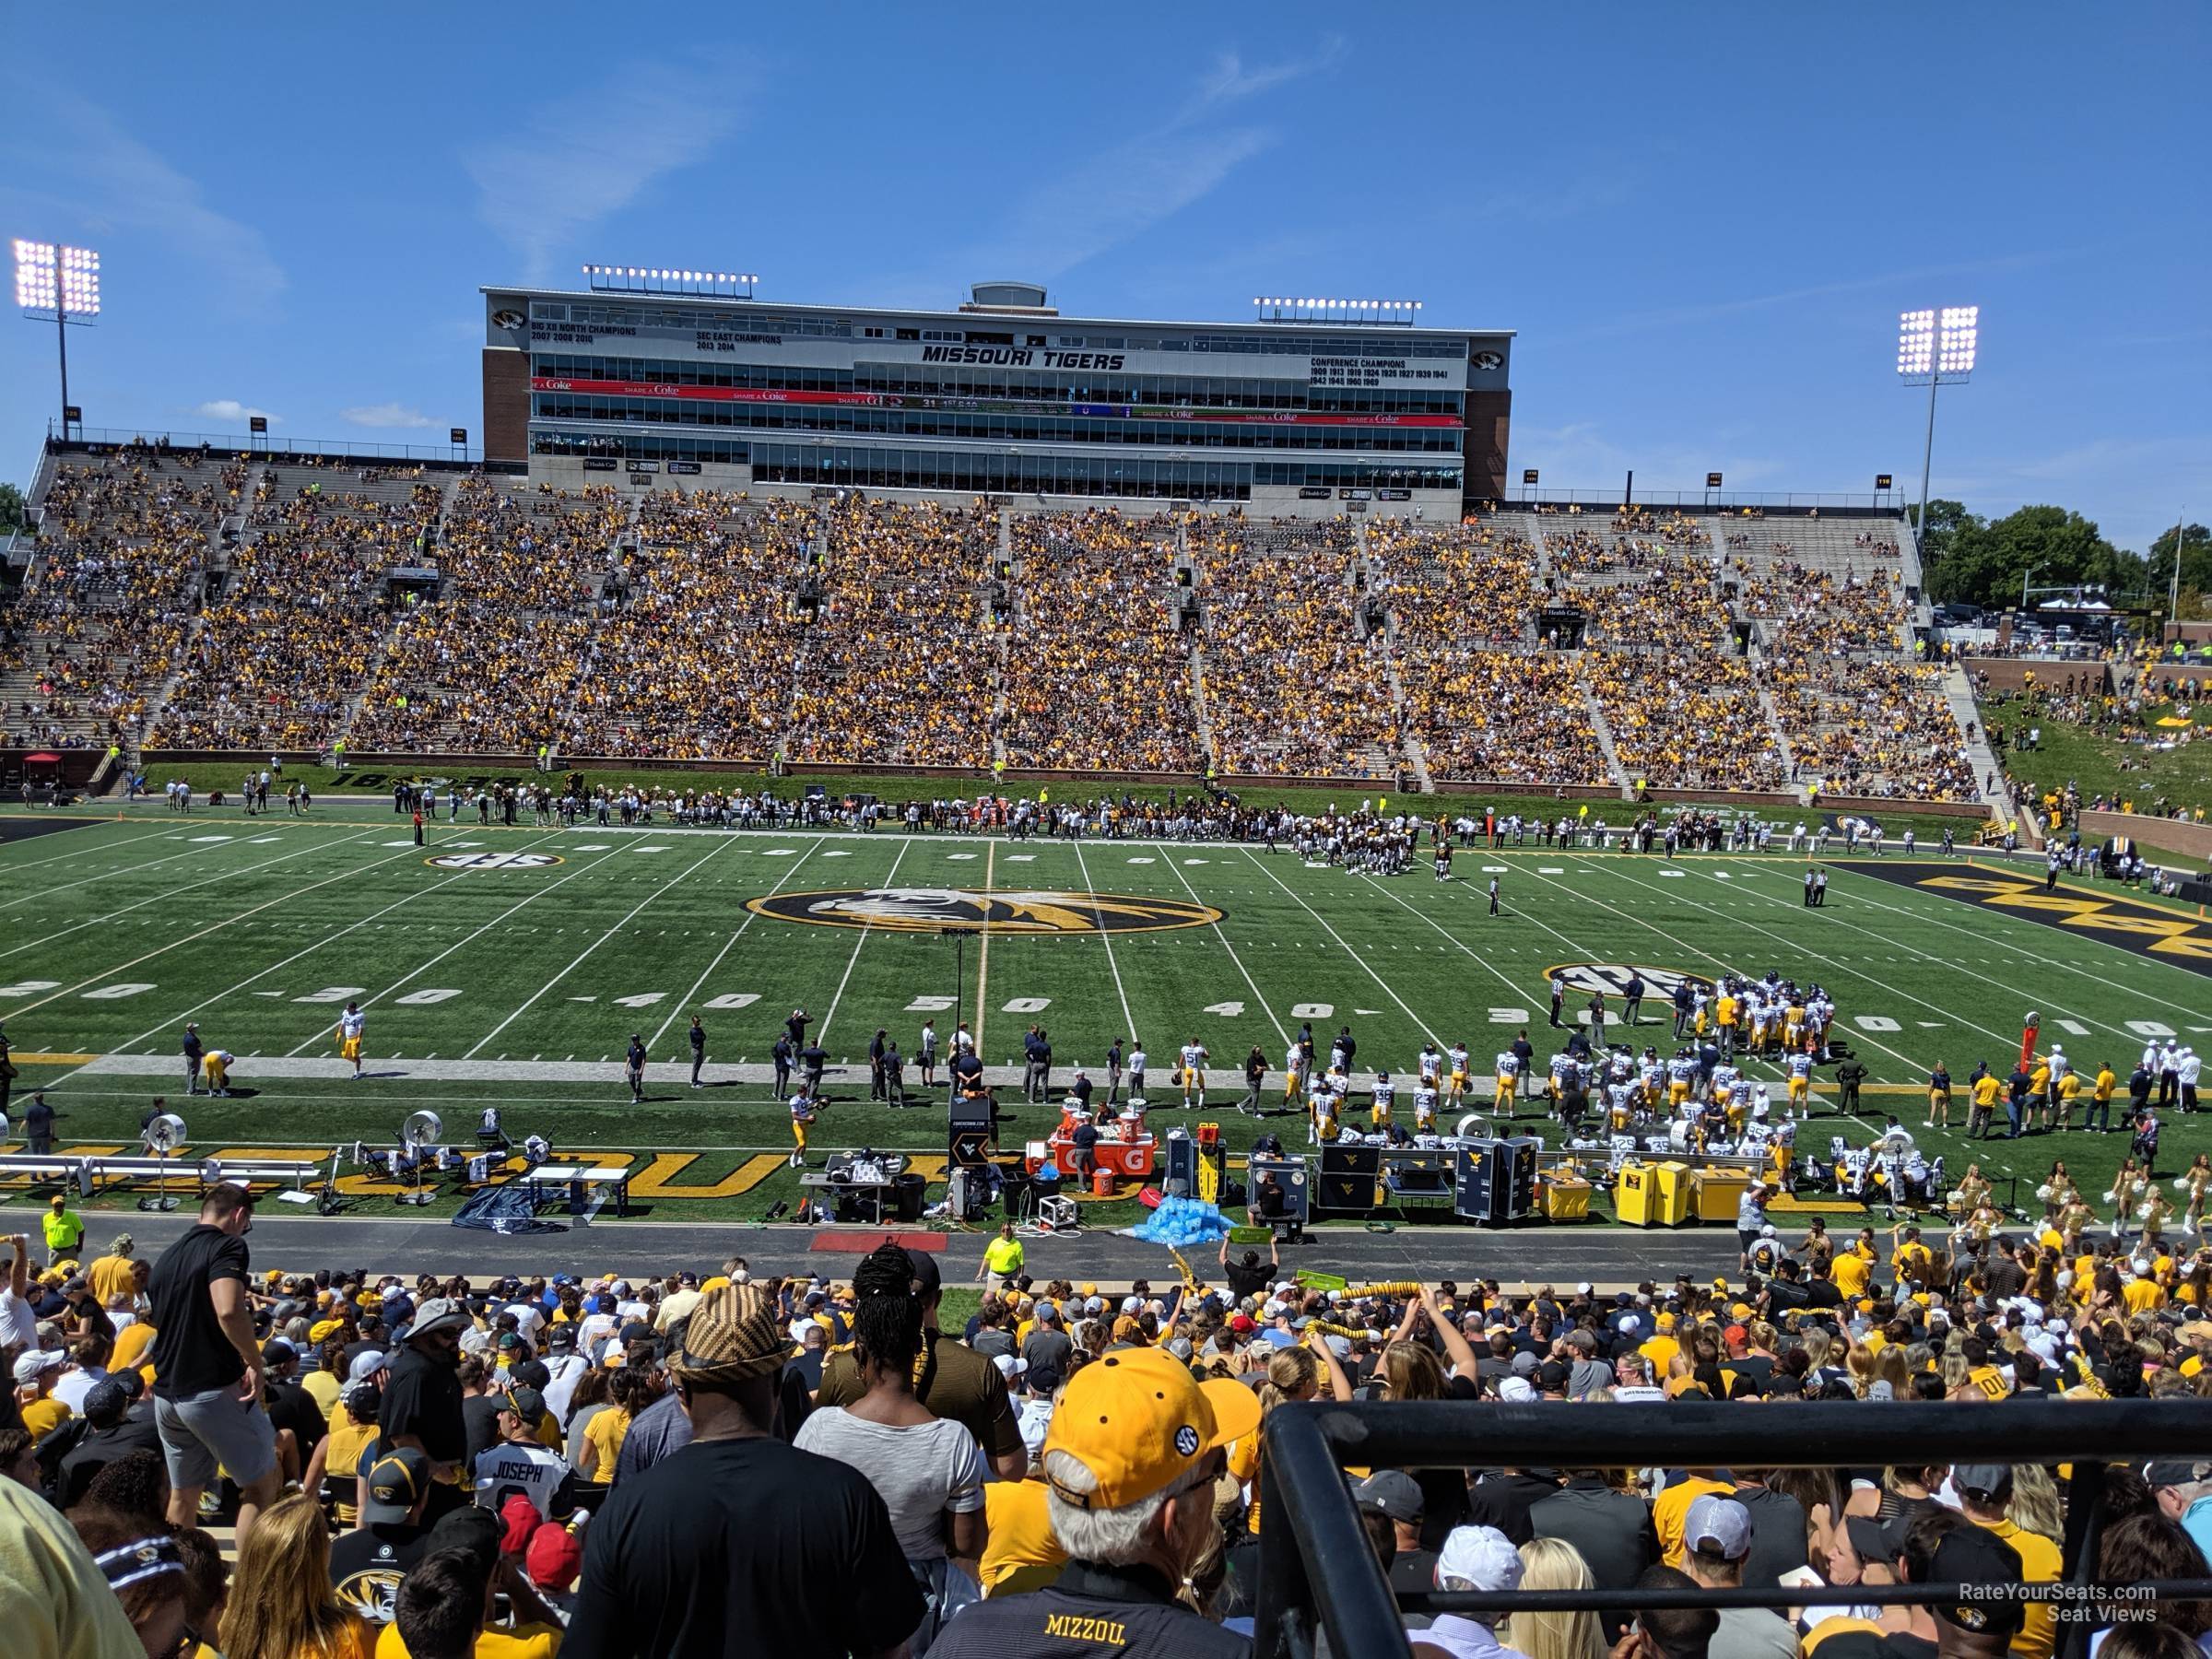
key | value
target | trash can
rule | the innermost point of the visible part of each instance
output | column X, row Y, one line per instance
column 1567, row 1200
column 909, row 1194
column 1635, row 1194
column 1672, row 1206
column 1717, row 1192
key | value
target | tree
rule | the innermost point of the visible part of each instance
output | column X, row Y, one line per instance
column 12, row 514
column 1987, row 562
column 2197, row 567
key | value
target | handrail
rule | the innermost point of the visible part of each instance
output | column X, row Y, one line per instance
column 1321, row 1574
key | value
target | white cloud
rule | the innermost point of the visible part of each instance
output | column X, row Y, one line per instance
column 583, row 157
column 1132, row 185
column 385, row 414
column 232, row 410
column 80, row 156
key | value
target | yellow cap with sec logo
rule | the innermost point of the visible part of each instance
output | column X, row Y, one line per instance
column 1138, row 1422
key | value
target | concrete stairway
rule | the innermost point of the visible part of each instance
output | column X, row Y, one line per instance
column 1781, row 739
column 1958, row 693
column 1602, row 729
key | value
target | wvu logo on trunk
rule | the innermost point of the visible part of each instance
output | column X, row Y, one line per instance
column 928, row 910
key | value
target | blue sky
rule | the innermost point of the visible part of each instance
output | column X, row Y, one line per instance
column 1702, row 220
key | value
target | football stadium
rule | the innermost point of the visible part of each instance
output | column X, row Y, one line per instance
column 869, row 973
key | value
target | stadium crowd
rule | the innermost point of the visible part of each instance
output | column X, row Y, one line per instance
column 490, row 662
column 880, row 633
column 899, row 662
column 702, row 1464
column 1098, row 666
column 1293, row 682
column 695, row 656
column 108, row 600
column 288, row 645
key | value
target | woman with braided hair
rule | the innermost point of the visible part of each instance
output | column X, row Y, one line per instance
column 929, row 1470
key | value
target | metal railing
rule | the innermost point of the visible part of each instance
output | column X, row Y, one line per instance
column 273, row 448
column 1705, row 503
column 1318, row 1573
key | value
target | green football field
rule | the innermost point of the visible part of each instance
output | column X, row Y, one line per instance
column 511, row 966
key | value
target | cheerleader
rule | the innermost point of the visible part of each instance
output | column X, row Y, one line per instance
column 2126, row 1194
column 2152, row 1214
column 2195, row 1180
column 2074, row 1223
column 1972, row 1192
column 2057, row 1190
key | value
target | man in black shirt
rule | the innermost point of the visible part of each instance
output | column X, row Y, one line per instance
column 207, row 1395
column 1247, row 1278
column 1396, row 1495
column 1612, row 1531
column 423, row 1403
column 290, row 1405
column 110, row 1433
column 739, row 1541
column 367, row 1561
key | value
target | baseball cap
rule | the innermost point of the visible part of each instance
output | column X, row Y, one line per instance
column 1390, row 1492
column 276, row 1351
column 518, row 1520
column 395, row 1481
column 1138, row 1422
column 1552, row 1376
column 2174, row 1473
column 1718, row 1526
column 364, row 1366
column 34, row 1362
column 1983, row 1480
column 1478, row 1557
column 1974, row 1554
column 1043, row 1382
column 1515, row 1388
column 527, row 1404
column 1009, row 1365
column 554, row 1559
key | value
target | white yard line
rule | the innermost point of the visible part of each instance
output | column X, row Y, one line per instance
column 83, row 850
column 414, row 974
column 854, row 960
column 198, row 852
column 177, row 1019
column 1282, row 1032
column 1098, row 918
column 1420, row 1024
column 750, row 916
column 62, row 933
column 1864, row 974
column 346, row 875
column 2195, row 1008
column 531, row 1001
column 983, row 954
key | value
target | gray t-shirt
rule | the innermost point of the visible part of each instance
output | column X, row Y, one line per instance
column 1753, row 1633
column 921, row 1470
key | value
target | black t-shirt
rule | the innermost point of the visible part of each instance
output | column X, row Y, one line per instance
column 423, row 1398
column 481, row 1413
column 1247, row 1281
column 95, row 1451
column 292, row 1407
column 367, row 1564
column 1822, row 1293
column 743, row 1546
column 1093, row 1612
column 191, row 1354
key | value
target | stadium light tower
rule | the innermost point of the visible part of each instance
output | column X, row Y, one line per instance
column 1936, row 348
column 62, row 283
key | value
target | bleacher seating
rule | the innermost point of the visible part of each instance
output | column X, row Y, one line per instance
column 1716, row 650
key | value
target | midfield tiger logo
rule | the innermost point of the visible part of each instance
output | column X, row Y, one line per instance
column 932, row 910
